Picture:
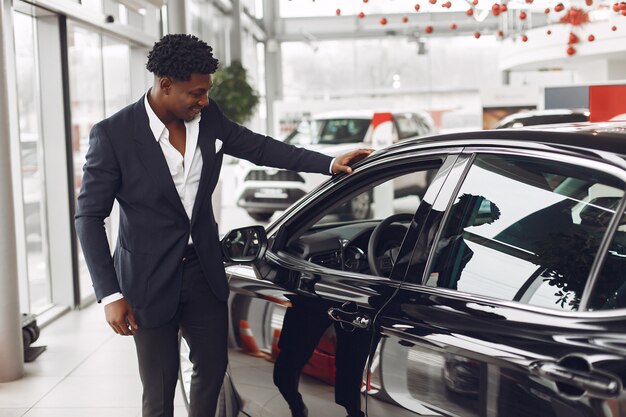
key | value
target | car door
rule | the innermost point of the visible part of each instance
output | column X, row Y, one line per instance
column 315, row 262
column 496, row 315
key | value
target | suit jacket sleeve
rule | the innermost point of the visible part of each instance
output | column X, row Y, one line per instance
column 263, row 150
column 101, row 180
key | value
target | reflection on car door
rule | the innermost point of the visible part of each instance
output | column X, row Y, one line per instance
column 492, row 318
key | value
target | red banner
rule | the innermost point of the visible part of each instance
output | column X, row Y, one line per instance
column 607, row 102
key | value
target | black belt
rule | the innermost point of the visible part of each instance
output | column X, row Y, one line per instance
column 189, row 253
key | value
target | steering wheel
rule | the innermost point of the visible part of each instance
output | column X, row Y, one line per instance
column 389, row 256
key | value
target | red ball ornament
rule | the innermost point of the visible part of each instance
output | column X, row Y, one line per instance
column 547, row 11
column 453, row 26
column 549, row 32
column 500, row 34
column 529, row 1
column 417, row 7
column 383, row 21
column 428, row 29
column 524, row 38
column 622, row 6
column 365, row 1
column 591, row 38
column 573, row 38
column 405, row 19
column 589, row 2
column 571, row 50
column 623, row 12
column 495, row 9
column 338, row 12
column 613, row 28
column 503, row 8
column 470, row 12
column 432, row 1
column 477, row 35
column 447, row 5
column 559, row 7
column 474, row 2
column 522, row 15
column 361, row 15
column 616, row 7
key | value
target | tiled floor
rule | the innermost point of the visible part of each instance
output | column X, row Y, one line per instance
column 87, row 370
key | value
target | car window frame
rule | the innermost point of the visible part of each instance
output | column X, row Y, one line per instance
column 450, row 190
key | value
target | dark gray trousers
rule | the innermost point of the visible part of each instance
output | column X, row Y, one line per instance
column 203, row 321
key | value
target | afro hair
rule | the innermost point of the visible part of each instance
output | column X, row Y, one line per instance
column 178, row 56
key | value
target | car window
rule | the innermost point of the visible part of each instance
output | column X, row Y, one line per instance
column 337, row 237
column 609, row 292
column 525, row 230
column 401, row 195
column 337, row 131
column 408, row 126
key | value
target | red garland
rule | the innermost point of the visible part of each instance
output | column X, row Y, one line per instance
column 575, row 17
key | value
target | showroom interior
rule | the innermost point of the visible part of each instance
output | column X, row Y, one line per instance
column 67, row 64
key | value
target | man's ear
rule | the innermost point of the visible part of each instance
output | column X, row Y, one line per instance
column 165, row 83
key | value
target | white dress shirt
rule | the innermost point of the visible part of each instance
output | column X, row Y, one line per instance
column 185, row 170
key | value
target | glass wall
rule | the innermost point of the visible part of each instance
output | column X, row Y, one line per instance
column 388, row 64
column 32, row 166
column 116, row 67
column 99, row 68
column 212, row 26
column 87, row 108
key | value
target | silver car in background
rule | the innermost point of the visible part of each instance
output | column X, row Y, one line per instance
column 266, row 190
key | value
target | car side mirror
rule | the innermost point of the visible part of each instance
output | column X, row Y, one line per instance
column 244, row 245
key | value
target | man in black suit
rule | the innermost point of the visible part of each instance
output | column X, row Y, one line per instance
column 160, row 158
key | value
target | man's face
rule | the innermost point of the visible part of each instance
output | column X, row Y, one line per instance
column 185, row 99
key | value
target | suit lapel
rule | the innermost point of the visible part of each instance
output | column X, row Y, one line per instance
column 152, row 157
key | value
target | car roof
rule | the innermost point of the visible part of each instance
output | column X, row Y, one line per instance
column 607, row 136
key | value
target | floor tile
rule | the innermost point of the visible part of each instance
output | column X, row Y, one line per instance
column 105, row 362
column 95, row 391
column 12, row 412
column 83, row 412
column 57, row 361
column 27, row 391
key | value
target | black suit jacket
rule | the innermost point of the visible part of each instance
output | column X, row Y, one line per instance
column 126, row 163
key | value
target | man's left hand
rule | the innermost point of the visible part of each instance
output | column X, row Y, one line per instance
column 342, row 163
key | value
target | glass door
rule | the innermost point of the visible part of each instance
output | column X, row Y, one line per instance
column 32, row 166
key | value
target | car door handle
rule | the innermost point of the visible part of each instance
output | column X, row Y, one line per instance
column 356, row 319
column 596, row 384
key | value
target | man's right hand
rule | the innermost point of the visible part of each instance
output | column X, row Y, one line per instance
column 120, row 317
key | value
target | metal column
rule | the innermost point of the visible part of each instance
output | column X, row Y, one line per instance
column 177, row 16
column 236, row 30
column 273, row 61
column 11, row 349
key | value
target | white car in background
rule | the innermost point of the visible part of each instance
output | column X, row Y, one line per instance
column 264, row 191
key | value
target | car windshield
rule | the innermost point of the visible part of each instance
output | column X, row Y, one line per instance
column 336, row 131
column 305, row 134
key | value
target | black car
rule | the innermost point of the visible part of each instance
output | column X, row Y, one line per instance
column 501, row 293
